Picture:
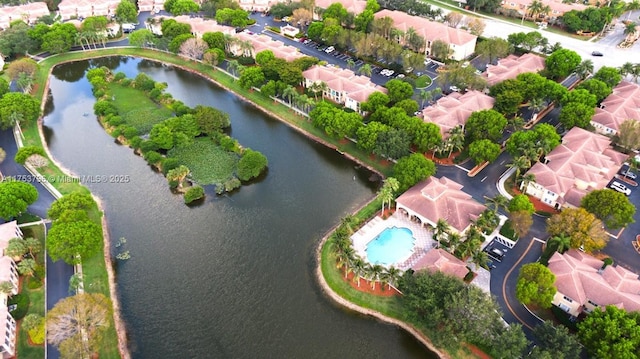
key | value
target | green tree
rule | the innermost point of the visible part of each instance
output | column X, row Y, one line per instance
column 264, row 56
column 399, row 90
column 441, row 50
column 536, row 285
column 576, row 114
column 60, row 38
column 71, row 202
column 28, row 267
column 521, row 202
column 597, row 88
column 485, row 124
column 559, row 243
column 561, row 63
column 76, row 325
column 18, row 107
column 251, row 77
column 232, row 17
column 388, row 190
column 585, row 230
column 610, row 333
column 521, row 222
column 508, row 102
column 557, row 340
column 140, row 38
column 127, row 12
column 171, row 28
column 182, row 7
column 628, row 136
column 251, row 164
column 492, row 49
column 73, row 236
column 413, row 169
column 211, row 120
column 15, row 197
column 178, row 175
column 608, row 75
column 15, row 41
column 584, row 69
column 483, row 151
column 580, row 96
column 611, row 207
column 215, row 40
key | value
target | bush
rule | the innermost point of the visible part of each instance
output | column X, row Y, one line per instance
column 168, row 164
column 194, row 193
column 103, row 108
column 232, row 184
column 152, row 157
column 251, row 164
column 126, row 82
column 34, row 283
column 26, row 152
column 245, row 60
column 114, row 120
column 130, row 132
column 120, row 76
column 148, row 145
column 135, row 142
column 508, row 231
column 22, row 301
column 607, row 262
column 37, row 334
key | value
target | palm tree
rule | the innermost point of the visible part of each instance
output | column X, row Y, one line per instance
column 626, row 69
column 584, row 69
column 344, row 258
column 318, row 87
column 7, row 287
column 246, row 48
column 453, row 241
column 425, row 96
column 441, row 230
column 516, row 122
column 455, row 141
column 528, row 178
column 536, row 104
column 178, row 175
column 348, row 222
column 27, row 267
column 535, row 8
column 634, row 5
column 358, row 267
column 350, row 64
column 519, row 163
column 375, row 272
column 233, row 67
column 561, row 243
column 365, row 70
column 497, row 202
column 391, row 275
column 635, row 72
column 289, row 92
column 32, row 246
column 480, row 258
column 388, row 190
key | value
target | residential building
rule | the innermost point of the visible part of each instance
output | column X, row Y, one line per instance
column 28, row 13
column 262, row 42
column 512, row 66
column 583, row 285
column 343, row 86
column 462, row 43
column 199, row 26
column 150, row 5
column 7, row 333
column 69, row 9
column 623, row 104
column 454, row 110
column 583, row 162
column 257, row 5
column 353, row 6
column 556, row 8
column 8, row 273
column 439, row 260
column 440, row 198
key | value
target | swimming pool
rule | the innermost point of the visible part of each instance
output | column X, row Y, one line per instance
column 390, row 246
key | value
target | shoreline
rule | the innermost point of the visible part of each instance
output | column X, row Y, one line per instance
column 118, row 321
column 327, row 291
column 333, row 296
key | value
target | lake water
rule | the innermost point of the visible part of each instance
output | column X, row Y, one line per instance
column 233, row 277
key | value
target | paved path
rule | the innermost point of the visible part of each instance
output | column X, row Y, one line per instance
column 58, row 273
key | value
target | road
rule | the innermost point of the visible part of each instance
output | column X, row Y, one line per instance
column 58, row 273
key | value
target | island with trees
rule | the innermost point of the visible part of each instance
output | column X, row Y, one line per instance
column 188, row 145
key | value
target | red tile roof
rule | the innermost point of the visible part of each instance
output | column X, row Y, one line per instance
column 443, row 261
column 454, row 110
column 512, row 66
column 623, row 104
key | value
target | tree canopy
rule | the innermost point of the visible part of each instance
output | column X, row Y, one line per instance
column 127, row 12
column 557, row 341
column 611, row 207
column 15, row 197
column 412, row 169
column 561, row 63
column 17, row 107
column 585, row 230
column 521, row 202
column 251, row 164
column 611, row 333
column 71, row 202
column 536, row 285
column 73, row 234
column 485, row 124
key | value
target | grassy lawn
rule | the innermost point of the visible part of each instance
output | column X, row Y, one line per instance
column 209, row 164
column 137, row 109
column 37, row 304
column 423, row 82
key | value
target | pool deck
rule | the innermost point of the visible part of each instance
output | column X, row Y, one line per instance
column 424, row 241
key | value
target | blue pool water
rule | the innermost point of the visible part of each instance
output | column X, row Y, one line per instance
column 390, row 246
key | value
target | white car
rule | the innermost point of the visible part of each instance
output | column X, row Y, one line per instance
column 329, row 49
column 620, row 188
column 454, row 88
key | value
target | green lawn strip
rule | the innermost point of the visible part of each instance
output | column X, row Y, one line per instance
column 137, row 109
column 96, row 281
column 208, row 162
column 423, row 82
column 37, row 303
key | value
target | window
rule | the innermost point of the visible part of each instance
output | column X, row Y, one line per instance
column 568, row 299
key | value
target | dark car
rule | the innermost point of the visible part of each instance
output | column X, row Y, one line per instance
column 597, row 53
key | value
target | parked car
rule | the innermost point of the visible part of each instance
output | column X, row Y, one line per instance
column 329, row 49
column 627, row 173
column 597, row 53
column 454, row 88
column 496, row 254
column 620, row 188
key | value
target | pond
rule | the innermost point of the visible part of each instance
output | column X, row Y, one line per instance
column 233, row 277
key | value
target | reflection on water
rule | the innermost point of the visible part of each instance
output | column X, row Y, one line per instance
column 232, row 277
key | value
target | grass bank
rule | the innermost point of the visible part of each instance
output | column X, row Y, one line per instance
column 208, row 162
column 137, row 109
